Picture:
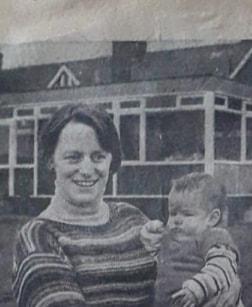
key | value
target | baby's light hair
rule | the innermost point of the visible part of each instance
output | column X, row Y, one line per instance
column 212, row 192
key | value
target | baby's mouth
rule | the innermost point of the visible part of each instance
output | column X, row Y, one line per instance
column 176, row 231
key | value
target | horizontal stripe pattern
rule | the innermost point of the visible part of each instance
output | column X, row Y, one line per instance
column 58, row 264
column 207, row 265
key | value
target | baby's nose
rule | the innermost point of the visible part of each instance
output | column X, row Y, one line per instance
column 178, row 220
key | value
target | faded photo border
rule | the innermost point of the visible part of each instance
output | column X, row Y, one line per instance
column 45, row 26
column 96, row 20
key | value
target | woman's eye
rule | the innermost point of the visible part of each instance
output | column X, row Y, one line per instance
column 72, row 158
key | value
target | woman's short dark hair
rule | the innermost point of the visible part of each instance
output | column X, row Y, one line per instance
column 93, row 116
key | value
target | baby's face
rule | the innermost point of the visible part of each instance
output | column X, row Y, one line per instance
column 187, row 217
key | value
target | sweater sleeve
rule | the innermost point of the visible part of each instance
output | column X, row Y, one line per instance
column 42, row 274
column 220, row 269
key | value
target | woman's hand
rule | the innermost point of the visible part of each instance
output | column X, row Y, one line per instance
column 151, row 235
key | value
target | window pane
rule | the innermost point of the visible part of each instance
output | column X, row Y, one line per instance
column 249, row 107
column 185, row 101
column 4, row 144
column 6, row 112
column 130, row 104
column 107, row 105
column 151, row 180
column 25, row 141
column 236, row 178
column 4, row 182
column 46, row 179
column 234, row 103
column 249, row 138
column 161, row 101
column 24, row 112
column 45, row 176
column 175, row 136
column 220, row 101
column 227, row 136
column 23, row 182
column 129, row 132
column 48, row 110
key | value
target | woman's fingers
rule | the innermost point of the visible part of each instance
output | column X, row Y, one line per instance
column 151, row 235
column 155, row 226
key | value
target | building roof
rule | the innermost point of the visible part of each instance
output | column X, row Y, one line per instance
column 215, row 60
column 135, row 89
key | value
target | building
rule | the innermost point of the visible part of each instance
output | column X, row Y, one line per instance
column 177, row 111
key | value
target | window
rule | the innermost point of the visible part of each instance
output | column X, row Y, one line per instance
column 227, row 136
column 45, row 176
column 24, row 112
column 129, row 132
column 175, row 136
column 107, row 105
column 4, row 182
column 161, row 101
column 48, row 110
column 249, row 138
column 234, row 103
column 186, row 101
column 130, row 104
column 249, row 107
column 6, row 112
column 25, row 141
column 219, row 101
column 23, row 182
column 152, row 180
column 4, row 144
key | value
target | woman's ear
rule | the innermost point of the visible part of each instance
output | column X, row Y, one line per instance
column 214, row 217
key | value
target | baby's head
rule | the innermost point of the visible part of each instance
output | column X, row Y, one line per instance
column 196, row 202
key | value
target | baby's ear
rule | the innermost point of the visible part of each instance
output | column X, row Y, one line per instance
column 50, row 164
column 214, row 217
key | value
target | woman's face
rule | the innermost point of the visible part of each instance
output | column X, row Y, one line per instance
column 81, row 165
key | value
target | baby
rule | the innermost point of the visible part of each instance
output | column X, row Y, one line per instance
column 198, row 259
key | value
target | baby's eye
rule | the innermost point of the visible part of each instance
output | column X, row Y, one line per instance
column 187, row 213
column 172, row 213
column 98, row 156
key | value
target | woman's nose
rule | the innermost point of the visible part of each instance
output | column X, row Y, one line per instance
column 86, row 167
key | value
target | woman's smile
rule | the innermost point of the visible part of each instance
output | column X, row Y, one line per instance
column 85, row 183
column 82, row 166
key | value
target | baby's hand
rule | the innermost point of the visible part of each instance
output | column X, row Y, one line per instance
column 151, row 235
column 184, row 298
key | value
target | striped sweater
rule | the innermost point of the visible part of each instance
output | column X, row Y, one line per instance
column 63, row 265
column 207, row 266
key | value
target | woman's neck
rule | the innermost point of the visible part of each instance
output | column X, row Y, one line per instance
column 62, row 210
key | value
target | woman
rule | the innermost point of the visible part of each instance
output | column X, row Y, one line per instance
column 83, row 251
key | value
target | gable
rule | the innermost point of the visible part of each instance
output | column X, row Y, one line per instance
column 64, row 78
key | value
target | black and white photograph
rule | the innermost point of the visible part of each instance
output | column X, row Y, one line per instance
column 126, row 173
